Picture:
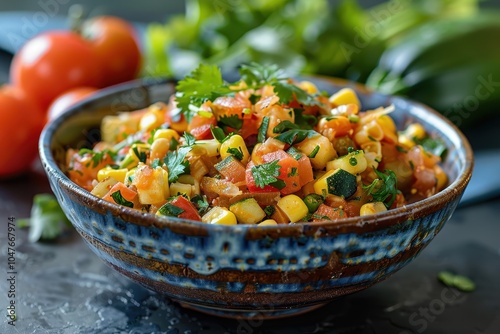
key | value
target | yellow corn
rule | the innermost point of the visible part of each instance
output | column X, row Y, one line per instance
column 293, row 207
column 117, row 174
column 235, row 142
column 345, row 96
column 325, row 153
column 372, row 208
column 354, row 163
column 220, row 216
column 268, row 222
column 308, row 86
column 159, row 148
column 415, row 130
column 168, row 134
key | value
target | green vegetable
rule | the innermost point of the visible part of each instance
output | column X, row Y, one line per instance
column 295, row 136
column 118, row 198
column 384, row 189
column 261, row 135
column 313, row 201
column 460, row 282
column 266, row 174
column 47, row 221
column 170, row 210
column 452, row 65
column 175, row 160
column 342, row 183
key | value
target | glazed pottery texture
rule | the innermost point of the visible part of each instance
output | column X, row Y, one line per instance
column 249, row 270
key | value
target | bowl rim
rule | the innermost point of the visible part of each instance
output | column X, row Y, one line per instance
column 384, row 219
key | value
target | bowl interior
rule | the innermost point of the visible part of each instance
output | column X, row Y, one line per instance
column 79, row 127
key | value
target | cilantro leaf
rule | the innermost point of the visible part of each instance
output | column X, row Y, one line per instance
column 168, row 209
column 259, row 75
column 97, row 157
column 287, row 92
column 307, row 122
column 203, row 84
column 433, row 145
column 47, row 221
column 261, row 135
column 236, row 152
column 266, row 174
column 119, row 199
column 285, row 125
column 176, row 164
column 232, row 121
column 295, row 136
column 201, row 203
column 384, row 188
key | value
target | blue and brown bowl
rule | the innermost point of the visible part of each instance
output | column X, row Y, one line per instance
column 247, row 270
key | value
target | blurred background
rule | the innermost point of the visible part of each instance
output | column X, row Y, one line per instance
column 435, row 51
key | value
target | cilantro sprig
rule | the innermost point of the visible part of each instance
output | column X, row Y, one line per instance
column 176, row 160
column 205, row 83
column 267, row 174
column 384, row 188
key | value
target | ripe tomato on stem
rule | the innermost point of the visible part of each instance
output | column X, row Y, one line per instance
column 53, row 62
column 115, row 42
column 21, row 123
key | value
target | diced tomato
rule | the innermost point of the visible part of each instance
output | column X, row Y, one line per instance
column 83, row 168
column 305, row 170
column 199, row 126
column 225, row 106
column 126, row 193
column 183, row 203
column 289, row 171
column 250, row 127
column 252, row 187
column 325, row 212
column 232, row 169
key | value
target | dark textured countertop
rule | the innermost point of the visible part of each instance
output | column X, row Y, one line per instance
column 64, row 288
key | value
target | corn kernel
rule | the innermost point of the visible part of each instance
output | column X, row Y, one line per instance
column 345, row 96
column 293, row 207
column 323, row 148
column 308, row 86
column 268, row 222
column 236, row 143
column 372, row 208
column 220, row 216
column 117, row 174
column 168, row 134
column 415, row 130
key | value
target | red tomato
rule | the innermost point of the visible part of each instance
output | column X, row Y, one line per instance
column 288, row 172
column 67, row 99
column 52, row 63
column 116, row 44
column 183, row 203
column 199, row 126
column 252, row 187
column 20, row 126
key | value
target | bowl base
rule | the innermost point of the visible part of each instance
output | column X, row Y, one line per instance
column 264, row 314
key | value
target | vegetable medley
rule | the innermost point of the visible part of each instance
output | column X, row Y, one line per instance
column 264, row 150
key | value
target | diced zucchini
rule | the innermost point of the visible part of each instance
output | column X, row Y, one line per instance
column 336, row 182
column 247, row 211
column 353, row 162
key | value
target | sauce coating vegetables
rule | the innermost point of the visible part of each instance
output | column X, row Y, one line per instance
column 264, row 150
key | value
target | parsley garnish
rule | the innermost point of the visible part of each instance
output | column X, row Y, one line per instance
column 141, row 155
column 218, row 134
column 435, row 146
column 266, row 174
column 261, row 135
column 97, row 157
column 170, row 210
column 384, row 188
column 269, row 210
column 304, row 121
column 285, row 125
column 201, row 203
column 175, row 159
column 295, row 136
column 236, row 152
column 232, row 121
column 119, row 199
column 203, row 84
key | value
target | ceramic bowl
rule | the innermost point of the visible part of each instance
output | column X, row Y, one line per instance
column 247, row 270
